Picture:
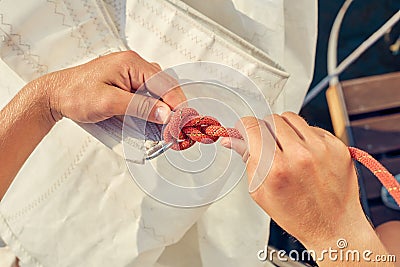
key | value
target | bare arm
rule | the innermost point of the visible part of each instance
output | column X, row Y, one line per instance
column 91, row 92
column 24, row 122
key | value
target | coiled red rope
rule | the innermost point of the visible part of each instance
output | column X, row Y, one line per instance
column 187, row 127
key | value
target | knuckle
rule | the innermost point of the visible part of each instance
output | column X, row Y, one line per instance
column 293, row 117
column 155, row 64
column 322, row 132
column 125, row 59
column 319, row 130
column 289, row 114
column 130, row 53
column 276, row 117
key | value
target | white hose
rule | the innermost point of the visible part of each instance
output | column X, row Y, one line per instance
column 333, row 41
column 352, row 57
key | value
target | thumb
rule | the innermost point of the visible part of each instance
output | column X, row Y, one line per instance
column 249, row 127
column 141, row 106
column 237, row 145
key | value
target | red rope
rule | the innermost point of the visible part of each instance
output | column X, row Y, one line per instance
column 187, row 127
column 384, row 176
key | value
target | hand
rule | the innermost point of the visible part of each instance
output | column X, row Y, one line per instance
column 311, row 189
column 92, row 92
column 104, row 87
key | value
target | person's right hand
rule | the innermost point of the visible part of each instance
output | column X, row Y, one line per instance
column 311, row 189
column 104, row 87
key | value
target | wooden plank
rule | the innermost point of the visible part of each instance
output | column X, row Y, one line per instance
column 378, row 134
column 372, row 93
column 337, row 110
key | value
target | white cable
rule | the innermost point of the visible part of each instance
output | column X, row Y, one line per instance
column 333, row 41
column 352, row 57
column 367, row 43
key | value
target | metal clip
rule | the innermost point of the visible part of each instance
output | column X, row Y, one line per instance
column 159, row 149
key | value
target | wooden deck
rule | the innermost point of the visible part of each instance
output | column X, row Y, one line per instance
column 365, row 113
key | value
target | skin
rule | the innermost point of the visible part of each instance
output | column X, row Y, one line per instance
column 389, row 234
column 311, row 188
column 88, row 93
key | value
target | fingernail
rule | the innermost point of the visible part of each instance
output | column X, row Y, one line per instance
column 161, row 114
column 225, row 142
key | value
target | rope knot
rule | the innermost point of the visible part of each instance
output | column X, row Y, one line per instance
column 187, row 127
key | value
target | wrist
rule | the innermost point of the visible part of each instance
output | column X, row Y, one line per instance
column 344, row 216
column 353, row 231
column 355, row 245
column 48, row 88
column 40, row 92
column 350, row 221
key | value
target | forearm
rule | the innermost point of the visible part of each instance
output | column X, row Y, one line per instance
column 23, row 124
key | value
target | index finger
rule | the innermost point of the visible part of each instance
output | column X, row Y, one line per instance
column 167, row 87
column 262, row 146
column 174, row 97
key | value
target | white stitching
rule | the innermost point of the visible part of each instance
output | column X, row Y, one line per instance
column 15, row 243
column 14, row 41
